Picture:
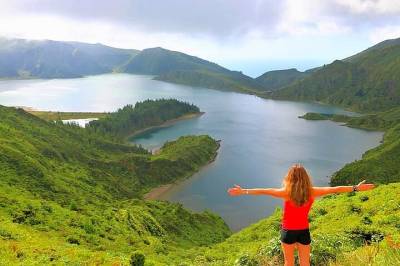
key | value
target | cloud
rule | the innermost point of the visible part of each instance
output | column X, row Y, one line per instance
column 310, row 18
column 218, row 30
column 217, row 18
column 371, row 7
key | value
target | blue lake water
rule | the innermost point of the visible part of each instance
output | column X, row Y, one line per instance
column 260, row 138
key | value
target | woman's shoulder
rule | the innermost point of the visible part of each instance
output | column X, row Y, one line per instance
column 285, row 194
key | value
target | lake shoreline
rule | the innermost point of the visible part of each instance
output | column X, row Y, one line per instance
column 157, row 192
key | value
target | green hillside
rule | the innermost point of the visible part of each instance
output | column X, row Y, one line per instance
column 274, row 80
column 21, row 58
column 68, row 195
column 368, row 81
column 177, row 67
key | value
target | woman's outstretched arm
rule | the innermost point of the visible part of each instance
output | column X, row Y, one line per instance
column 322, row 191
column 275, row 192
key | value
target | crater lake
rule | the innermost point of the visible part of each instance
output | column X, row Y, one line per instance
column 260, row 138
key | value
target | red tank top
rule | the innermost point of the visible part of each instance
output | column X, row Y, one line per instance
column 296, row 217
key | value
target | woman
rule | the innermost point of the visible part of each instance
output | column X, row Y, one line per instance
column 298, row 195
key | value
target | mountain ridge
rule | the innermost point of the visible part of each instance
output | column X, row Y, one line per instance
column 276, row 79
column 21, row 58
column 181, row 68
column 368, row 81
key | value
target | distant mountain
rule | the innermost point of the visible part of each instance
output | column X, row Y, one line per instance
column 157, row 61
column 274, row 80
column 177, row 67
column 368, row 81
column 21, row 58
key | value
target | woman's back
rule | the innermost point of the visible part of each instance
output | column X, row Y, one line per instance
column 296, row 217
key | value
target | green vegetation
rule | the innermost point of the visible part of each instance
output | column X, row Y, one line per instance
column 53, row 59
column 320, row 116
column 368, row 81
column 274, row 80
column 149, row 113
column 176, row 67
column 54, row 116
column 69, row 195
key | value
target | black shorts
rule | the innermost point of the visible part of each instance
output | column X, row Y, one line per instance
column 292, row 236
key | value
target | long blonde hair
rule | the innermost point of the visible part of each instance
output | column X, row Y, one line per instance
column 298, row 184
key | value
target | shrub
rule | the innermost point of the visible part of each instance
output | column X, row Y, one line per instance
column 6, row 235
column 364, row 198
column 327, row 247
column 246, row 260
column 137, row 259
column 73, row 240
column 273, row 248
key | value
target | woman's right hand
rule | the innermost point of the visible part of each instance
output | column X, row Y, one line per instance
column 235, row 191
column 362, row 187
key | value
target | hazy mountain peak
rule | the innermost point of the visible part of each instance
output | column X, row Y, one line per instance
column 55, row 59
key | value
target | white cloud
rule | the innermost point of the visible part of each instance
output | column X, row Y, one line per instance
column 309, row 18
column 371, row 6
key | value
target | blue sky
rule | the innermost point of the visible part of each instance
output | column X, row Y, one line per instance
column 252, row 36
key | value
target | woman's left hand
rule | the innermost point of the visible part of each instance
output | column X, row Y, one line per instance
column 235, row 191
